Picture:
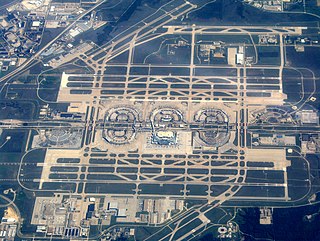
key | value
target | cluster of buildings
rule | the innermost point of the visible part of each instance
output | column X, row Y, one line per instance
column 61, row 14
column 219, row 52
column 22, row 27
column 20, row 36
column 71, row 217
column 267, row 39
column 310, row 143
column 300, row 42
column 8, row 225
column 55, row 216
column 64, row 137
column 273, row 140
column 237, row 56
column 180, row 44
column 63, row 49
column 155, row 211
column 162, row 123
column 228, row 231
column 75, row 111
column 308, row 117
column 266, row 216
column 122, row 233
column 214, row 52
column 271, row 5
column 88, row 22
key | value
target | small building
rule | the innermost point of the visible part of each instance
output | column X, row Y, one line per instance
column 308, row 117
column 265, row 216
column 36, row 24
column 240, row 58
column 231, row 56
column 122, row 212
column 113, row 205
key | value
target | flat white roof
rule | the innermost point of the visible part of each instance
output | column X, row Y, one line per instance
column 35, row 23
